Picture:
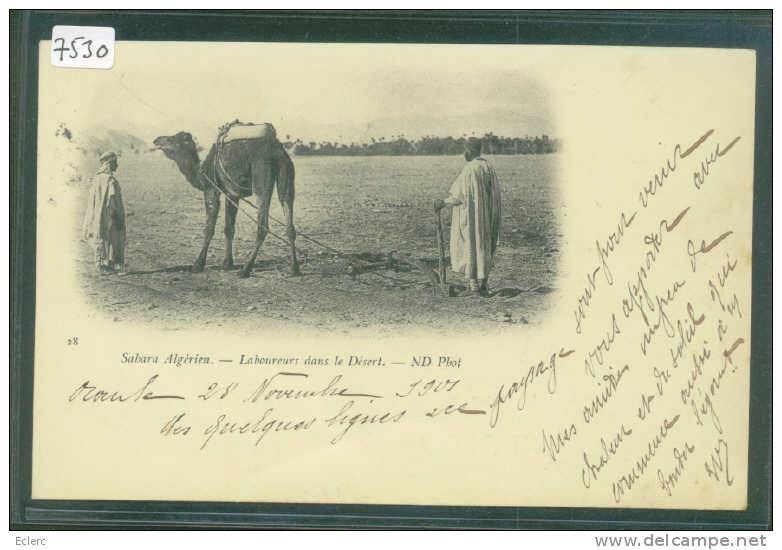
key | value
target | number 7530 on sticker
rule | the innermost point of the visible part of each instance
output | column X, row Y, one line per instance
column 83, row 47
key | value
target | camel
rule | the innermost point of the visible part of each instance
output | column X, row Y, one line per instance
column 239, row 169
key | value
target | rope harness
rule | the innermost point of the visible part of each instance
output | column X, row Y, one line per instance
column 218, row 163
column 213, row 182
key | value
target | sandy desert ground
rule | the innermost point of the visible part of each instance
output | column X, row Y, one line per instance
column 369, row 206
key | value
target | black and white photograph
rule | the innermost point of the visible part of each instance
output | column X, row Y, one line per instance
column 326, row 186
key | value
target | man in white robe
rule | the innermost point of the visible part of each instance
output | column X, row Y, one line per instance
column 104, row 219
column 475, row 222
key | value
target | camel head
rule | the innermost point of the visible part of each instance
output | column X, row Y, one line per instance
column 181, row 149
column 178, row 147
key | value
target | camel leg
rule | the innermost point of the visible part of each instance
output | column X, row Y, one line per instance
column 291, row 234
column 212, row 205
column 285, row 192
column 230, row 230
column 263, row 185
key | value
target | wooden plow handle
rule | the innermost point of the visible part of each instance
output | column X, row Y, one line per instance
column 438, row 224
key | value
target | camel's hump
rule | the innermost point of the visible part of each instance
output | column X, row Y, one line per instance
column 251, row 131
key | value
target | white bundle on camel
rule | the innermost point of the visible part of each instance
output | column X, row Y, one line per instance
column 237, row 130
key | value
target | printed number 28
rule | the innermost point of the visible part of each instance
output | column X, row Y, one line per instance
column 100, row 53
column 73, row 341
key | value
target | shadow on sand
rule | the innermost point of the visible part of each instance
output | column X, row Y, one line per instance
column 260, row 265
column 366, row 262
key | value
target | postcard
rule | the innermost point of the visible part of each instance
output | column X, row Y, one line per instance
column 497, row 275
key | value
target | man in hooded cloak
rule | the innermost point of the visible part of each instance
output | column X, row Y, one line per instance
column 476, row 217
column 104, row 219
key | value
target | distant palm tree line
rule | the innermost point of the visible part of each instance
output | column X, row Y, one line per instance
column 429, row 145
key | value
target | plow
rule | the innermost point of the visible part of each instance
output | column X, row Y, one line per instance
column 436, row 278
column 359, row 264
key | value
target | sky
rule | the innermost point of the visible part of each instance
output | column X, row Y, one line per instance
column 313, row 92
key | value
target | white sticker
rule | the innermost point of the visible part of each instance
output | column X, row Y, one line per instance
column 83, row 47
